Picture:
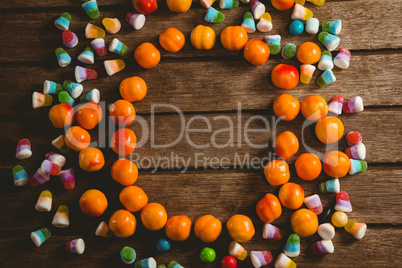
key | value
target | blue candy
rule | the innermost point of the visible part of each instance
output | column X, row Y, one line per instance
column 296, row 27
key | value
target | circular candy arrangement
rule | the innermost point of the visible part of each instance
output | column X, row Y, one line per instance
column 308, row 166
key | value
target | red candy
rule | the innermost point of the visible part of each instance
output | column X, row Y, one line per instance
column 285, row 76
column 67, row 36
column 353, row 138
column 229, row 262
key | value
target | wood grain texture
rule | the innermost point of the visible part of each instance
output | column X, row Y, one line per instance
column 198, row 86
column 361, row 30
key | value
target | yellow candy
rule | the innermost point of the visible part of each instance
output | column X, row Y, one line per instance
column 44, row 201
column 301, row 13
column 315, row 2
column 93, row 31
column 302, row 2
column 111, row 25
column 60, row 219
column 306, row 73
column 358, row 230
column 339, row 219
column 266, row 17
column 45, row 193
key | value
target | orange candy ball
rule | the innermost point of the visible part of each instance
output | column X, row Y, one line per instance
column 122, row 223
column 291, row 195
column 314, row 108
column 240, row 227
column 336, row 164
column 133, row 89
column 282, row 4
column 122, row 112
column 91, row 159
column 123, row 141
column 147, row 55
column 77, row 138
column 207, row 228
column 124, row 172
column 153, row 216
column 179, row 6
column 203, row 37
column 285, row 76
column 256, row 52
column 234, row 38
column 93, row 203
column 286, row 107
column 172, row 40
column 277, row 172
column 329, row 129
column 269, row 208
column 89, row 115
column 308, row 53
column 178, row 228
column 133, row 198
column 308, row 166
column 61, row 115
column 286, row 144
column 304, row 222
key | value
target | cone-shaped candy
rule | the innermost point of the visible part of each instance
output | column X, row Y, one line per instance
column 306, row 73
column 93, row 95
column 207, row 3
column 61, row 218
column 98, row 45
column 326, row 231
column 41, row 100
column 44, row 202
column 136, row 20
column 354, row 105
column 93, row 31
column 75, row 246
column 313, row 203
column 50, row 87
column 60, row 144
column 128, row 255
column 265, row 23
column 330, row 186
column 118, row 47
column 70, row 39
column 274, row 43
column 326, row 78
column 65, row 97
column 63, row 22
column 174, row 264
column 74, row 89
column 50, row 168
column 326, row 61
column 271, row 232
column 23, row 150
column 111, row 25
column 68, row 179
column 358, row 230
column 91, row 8
column 312, row 26
column 40, row 236
column 301, row 13
column 103, row 230
column 82, row 74
column 322, row 247
column 248, row 23
column 357, row 166
column 228, row 4
column 20, row 176
column 284, row 261
column 58, row 159
column 146, row 263
column 257, row 8
column 330, row 41
column 333, row 27
column 289, row 51
column 292, row 247
column 342, row 60
column 87, row 56
column 343, row 202
column 214, row 16
column 317, row 2
column 236, row 250
column 356, row 151
column 353, row 138
column 38, row 178
column 62, row 57
column 335, row 106
column 114, row 66
column 260, row 258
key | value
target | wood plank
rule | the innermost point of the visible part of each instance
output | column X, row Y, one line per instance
column 197, row 87
column 41, row 34
column 222, row 193
column 199, row 149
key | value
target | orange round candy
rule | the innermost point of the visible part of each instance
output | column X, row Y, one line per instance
column 147, row 55
column 133, row 89
column 178, row 228
column 207, row 228
column 124, row 172
column 93, row 203
column 282, row 4
column 304, row 222
column 308, row 53
column 286, row 107
column 153, row 216
column 329, row 129
column 256, row 52
column 122, row 112
column 122, row 223
column 179, row 6
column 133, row 198
column 336, row 164
column 77, row 138
column 277, row 172
column 123, row 141
column 285, row 76
column 286, row 144
column 314, row 108
column 269, row 208
column 91, row 159
column 291, row 195
column 89, row 115
column 203, row 37
column 61, row 115
column 308, row 166
column 172, row 40
column 234, row 38
column 240, row 227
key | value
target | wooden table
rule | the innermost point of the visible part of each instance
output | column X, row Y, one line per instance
column 215, row 85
